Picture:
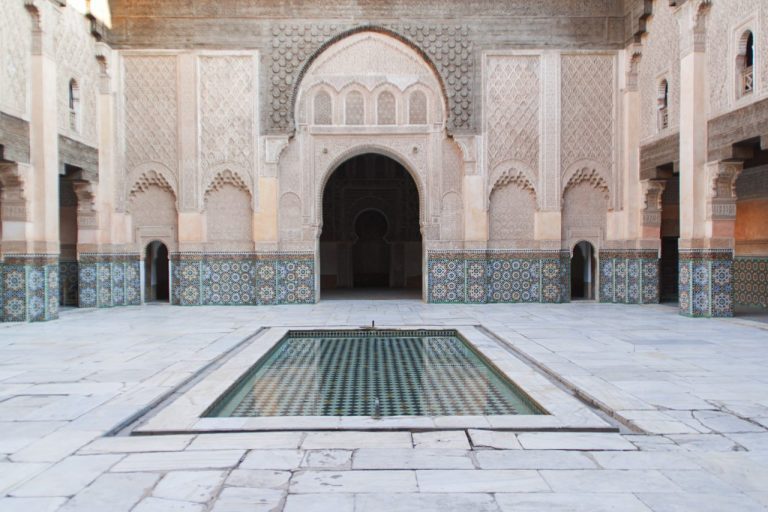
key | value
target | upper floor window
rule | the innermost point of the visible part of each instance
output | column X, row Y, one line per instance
column 745, row 64
column 323, row 108
column 74, row 105
column 663, row 105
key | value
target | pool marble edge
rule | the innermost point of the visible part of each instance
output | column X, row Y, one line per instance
column 564, row 412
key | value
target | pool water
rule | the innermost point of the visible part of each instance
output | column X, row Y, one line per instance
column 372, row 373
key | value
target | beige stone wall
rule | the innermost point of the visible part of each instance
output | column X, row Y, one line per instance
column 15, row 36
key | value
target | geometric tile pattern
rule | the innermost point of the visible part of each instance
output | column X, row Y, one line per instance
column 243, row 278
column 497, row 276
column 30, row 288
column 706, row 283
column 389, row 374
column 750, row 281
column 107, row 280
column 629, row 277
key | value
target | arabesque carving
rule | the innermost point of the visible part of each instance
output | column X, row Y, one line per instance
column 447, row 48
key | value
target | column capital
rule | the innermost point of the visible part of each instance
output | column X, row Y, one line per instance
column 721, row 204
column 634, row 54
column 693, row 30
column 43, row 14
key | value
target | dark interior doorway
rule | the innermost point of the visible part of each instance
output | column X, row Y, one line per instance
column 156, row 282
column 583, row 272
column 670, row 237
column 371, row 238
column 68, row 265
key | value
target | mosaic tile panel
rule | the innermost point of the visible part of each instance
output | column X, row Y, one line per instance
column 607, row 275
column 243, row 278
column 496, row 276
column 445, row 279
column 30, row 288
column 750, row 281
column 68, row 277
column 629, row 277
column 706, row 283
column 477, row 282
column 392, row 374
column 514, row 280
column 107, row 280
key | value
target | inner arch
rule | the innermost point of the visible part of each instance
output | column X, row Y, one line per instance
column 371, row 239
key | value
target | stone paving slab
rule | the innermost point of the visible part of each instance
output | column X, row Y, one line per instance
column 699, row 388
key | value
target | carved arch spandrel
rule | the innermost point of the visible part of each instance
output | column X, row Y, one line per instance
column 511, row 172
column 151, row 174
column 227, row 174
column 312, row 58
column 588, row 172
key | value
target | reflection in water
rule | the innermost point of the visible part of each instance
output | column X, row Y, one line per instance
column 379, row 375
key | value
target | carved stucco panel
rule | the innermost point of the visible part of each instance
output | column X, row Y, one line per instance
column 512, row 120
column 151, row 111
column 511, row 215
column 660, row 59
column 15, row 30
column 294, row 45
column 587, row 105
column 76, row 58
column 721, row 22
column 227, row 120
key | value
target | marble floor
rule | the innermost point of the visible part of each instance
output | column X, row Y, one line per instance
column 690, row 398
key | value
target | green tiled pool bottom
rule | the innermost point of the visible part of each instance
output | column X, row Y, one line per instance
column 372, row 373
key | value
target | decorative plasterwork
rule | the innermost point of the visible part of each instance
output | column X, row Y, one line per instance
column 653, row 191
column 446, row 49
column 13, row 200
column 153, row 176
column 511, row 173
column 87, row 217
column 512, row 99
column 722, row 197
column 693, row 28
column 589, row 175
column 227, row 177
column 587, row 105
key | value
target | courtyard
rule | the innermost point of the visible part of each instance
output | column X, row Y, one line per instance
column 686, row 400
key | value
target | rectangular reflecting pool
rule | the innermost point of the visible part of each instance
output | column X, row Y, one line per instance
column 375, row 373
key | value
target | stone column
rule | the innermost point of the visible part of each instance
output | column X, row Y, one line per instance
column 706, row 247
column 31, row 267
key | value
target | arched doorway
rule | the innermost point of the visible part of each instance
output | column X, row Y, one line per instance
column 156, row 282
column 371, row 240
column 583, row 271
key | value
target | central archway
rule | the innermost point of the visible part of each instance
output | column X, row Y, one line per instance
column 370, row 243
